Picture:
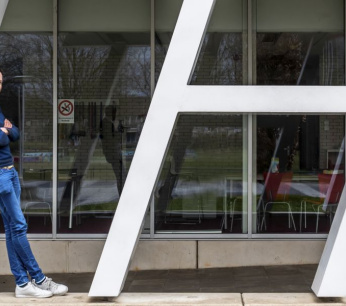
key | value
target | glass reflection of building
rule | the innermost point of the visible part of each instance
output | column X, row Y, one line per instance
column 73, row 172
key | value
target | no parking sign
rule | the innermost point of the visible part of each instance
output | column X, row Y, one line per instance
column 66, row 110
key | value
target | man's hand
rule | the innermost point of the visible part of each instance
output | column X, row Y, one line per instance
column 4, row 130
column 7, row 124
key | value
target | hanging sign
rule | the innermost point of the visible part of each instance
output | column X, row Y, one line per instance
column 66, row 110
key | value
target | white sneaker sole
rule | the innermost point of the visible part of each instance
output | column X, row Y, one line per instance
column 61, row 293
column 34, row 297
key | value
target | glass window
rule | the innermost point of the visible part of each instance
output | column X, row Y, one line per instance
column 299, row 172
column 202, row 185
column 26, row 100
column 306, row 50
column 222, row 59
column 104, row 76
column 104, row 92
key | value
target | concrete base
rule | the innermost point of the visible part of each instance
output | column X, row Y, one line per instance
column 289, row 299
column 82, row 256
column 221, row 254
column 127, row 299
column 210, row 299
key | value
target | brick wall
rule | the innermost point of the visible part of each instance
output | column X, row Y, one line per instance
column 332, row 132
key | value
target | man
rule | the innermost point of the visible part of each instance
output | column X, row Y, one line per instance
column 111, row 135
column 21, row 258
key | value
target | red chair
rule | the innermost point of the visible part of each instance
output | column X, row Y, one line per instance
column 330, row 187
column 277, row 187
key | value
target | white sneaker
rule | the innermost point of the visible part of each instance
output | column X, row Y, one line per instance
column 54, row 288
column 30, row 291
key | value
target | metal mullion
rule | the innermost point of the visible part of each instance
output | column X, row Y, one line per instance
column 40, row 236
column 81, row 237
column 152, row 217
column 297, row 236
column 249, row 176
column 249, row 42
column 152, row 89
column 213, row 237
column 252, row 16
column 152, row 47
column 253, row 32
column 250, row 119
column 55, row 117
column 168, row 236
column 245, row 36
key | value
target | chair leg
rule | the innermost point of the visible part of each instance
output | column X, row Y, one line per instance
column 300, row 217
column 231, row 214
column 290, row 217
column 317, row 218
column 303, row 203
column 294, row 225
column 263, row 218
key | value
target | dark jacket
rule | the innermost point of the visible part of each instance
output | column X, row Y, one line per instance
column 6, row 158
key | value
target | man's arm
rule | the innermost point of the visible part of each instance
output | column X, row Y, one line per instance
column 13, row 132
column 4, row 140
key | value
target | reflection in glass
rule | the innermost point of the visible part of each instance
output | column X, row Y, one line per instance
column 300, row 172
column 222, row 59
column 200, row 188
column 26, row 100
column 109, row 88
column 305, row 50
column 300, row 59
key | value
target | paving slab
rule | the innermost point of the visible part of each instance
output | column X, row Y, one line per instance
column 128, row 299
column 291, row 278
column 289, row 299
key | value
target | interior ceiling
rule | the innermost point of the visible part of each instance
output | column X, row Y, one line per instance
column 106, row 39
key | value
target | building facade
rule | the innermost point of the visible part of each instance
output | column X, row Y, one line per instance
column 234, row 188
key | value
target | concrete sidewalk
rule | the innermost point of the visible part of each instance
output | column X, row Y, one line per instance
column 271, row 285
column 198, row 298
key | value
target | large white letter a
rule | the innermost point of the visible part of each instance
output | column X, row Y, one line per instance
column 166, row 103
column 172, row 96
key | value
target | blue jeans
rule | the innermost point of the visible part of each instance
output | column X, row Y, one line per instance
column 22, row 260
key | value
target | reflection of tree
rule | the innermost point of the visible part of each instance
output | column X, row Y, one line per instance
column 27, row 64
column 280, row 58
column 220, row 61
column 138, row 71
column 294, row 148
column 161, row 49
column 88, row 71
column 278, row 136
column 266, row 142
column 81, row 69
column 228, row 66
column 30, row 55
